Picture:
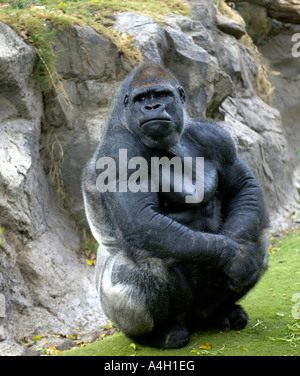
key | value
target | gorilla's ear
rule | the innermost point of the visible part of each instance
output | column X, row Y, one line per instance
column 181, row 93
column 126, row 99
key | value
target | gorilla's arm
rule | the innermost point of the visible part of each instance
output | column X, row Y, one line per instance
column 143, row 226
column 245, row 217
column 243, row 205
column 245, row 210
column 137, row 223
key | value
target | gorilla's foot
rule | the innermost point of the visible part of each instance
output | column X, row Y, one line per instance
column 176, row 339
column 232, row 317
column 171, row 336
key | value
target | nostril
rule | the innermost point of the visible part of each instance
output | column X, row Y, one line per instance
column 152, row 107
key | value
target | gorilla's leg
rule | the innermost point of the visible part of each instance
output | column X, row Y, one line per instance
column 229, row 316
column 214, row 304
column 170, row 334
column 215, row 296
column 147, row 298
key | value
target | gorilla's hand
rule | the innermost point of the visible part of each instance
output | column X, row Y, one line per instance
column 243, row 271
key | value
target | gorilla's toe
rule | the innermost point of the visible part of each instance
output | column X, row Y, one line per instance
column 176, row 339
column 238, row 318
column 233, row 317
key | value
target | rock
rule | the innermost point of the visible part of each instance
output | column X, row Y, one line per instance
column 266, row 121
column 285, row 77
column 44, row 280
column 250, row 145
column 91, row 68
column 18, row 93
column 238, row 62
column 256, row 18
column 261, row 142
column 194, row 67
column 89, row 56
column 203, row 11
column 285, row 10
column 202, row 36
column 148, row 36
column 174, row 46
column 230, row 26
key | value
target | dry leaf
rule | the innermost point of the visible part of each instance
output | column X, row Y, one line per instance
column 206, row 346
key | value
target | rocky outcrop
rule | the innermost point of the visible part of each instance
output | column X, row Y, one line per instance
column 44, row 280
column 218, row 72
column 276, row 36
column 91, row 69
column 282, row 10
column 285, row 10
column 45, row 285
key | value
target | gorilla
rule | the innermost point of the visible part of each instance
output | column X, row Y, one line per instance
column 167, row 265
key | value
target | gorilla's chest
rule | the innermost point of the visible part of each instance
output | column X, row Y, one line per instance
column 188, row 177
column 201, row 216
column 187, row 182
column 188, row 185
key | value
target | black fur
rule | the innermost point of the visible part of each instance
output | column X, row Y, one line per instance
column 162, row 261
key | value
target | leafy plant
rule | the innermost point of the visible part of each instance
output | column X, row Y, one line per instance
column 298, row 153
column 292, row 335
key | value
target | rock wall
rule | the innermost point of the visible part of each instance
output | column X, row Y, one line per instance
column 216, row 68
column 272, row 25
column 45, row 282
column 45, row 285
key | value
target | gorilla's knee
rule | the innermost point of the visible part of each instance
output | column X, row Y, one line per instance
column 135, row 297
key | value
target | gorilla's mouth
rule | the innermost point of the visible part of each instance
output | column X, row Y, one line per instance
column 161, row 121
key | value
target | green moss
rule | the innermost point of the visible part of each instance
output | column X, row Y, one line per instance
column 272, row 329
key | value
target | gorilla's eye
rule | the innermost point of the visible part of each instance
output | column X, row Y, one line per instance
column 140, row 98
column 164, row 94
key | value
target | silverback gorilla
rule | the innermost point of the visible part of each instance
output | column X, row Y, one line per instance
column 166, row 266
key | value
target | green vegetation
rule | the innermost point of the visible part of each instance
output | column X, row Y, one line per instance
column 273, row 307
column 1, row 232
column 36, row 21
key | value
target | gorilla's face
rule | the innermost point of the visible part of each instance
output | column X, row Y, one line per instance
column 155, row 113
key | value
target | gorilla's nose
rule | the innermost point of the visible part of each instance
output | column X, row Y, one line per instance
column 153, row 108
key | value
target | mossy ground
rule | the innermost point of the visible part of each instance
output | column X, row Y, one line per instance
column 273, row 328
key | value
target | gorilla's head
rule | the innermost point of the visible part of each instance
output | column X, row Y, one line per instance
column 154, row 106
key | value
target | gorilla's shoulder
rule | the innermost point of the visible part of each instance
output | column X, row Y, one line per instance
column 215, row 141
column 122, row 139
